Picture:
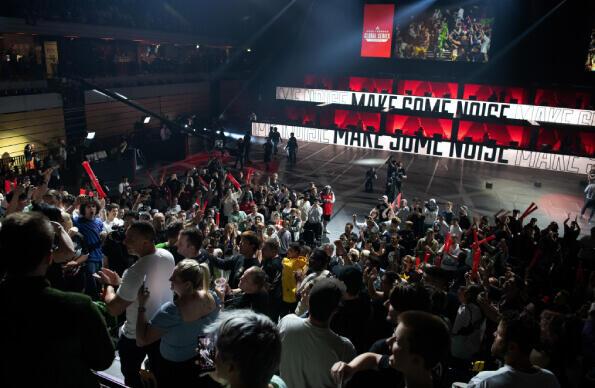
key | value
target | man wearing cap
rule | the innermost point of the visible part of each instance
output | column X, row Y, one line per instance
column 327, row 198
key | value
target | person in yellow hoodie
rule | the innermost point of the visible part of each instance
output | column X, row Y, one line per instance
column 294, row 268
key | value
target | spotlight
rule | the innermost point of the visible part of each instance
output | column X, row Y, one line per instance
column 90, row 135
column 147, row 119
column 248, row 50
column 197, row 46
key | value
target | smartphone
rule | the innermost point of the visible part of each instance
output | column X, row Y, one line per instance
column 206, row 353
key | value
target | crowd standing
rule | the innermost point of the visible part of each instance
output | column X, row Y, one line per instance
column 420, row 293
column 455, row 34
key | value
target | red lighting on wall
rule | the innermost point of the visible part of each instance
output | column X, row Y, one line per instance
column 373, row 85
column 410, row 125
column 495, row 93
column 345, row 119
column 501, row 133
column 427, row 88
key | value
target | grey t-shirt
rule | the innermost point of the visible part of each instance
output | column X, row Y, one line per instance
column 156, row 269
column 309, row 352
column 510, row 378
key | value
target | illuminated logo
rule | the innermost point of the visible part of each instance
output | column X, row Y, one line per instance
column 377, row 35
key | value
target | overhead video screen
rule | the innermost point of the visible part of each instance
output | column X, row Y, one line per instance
column 377, row 34
column 460, row 33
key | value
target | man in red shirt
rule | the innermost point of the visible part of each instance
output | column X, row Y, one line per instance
column 327, row 198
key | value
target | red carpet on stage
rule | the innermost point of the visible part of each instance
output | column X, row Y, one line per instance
column 200, row 160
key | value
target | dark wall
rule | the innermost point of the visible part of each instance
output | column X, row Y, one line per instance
column 535, row 42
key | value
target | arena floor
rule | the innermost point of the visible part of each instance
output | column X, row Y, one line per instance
column 458, row 181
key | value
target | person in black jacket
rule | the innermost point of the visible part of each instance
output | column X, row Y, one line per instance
column 292, row 147
column 247, row 146
column 353, row 318
column 249, row 245
column 268, row 152
column 252, row 294
column 371, row 176
column 276, row 139
column 272, row 266
column 240, row 154
column 63, row 332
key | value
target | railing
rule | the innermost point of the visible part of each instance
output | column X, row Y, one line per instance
column 11, row 162
column 106, row 380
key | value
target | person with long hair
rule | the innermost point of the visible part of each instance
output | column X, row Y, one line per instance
column 179, row 323
column 229, row 239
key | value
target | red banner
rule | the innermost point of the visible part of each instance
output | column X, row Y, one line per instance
column 377, row 34
column 203, row 182
column 233, row 181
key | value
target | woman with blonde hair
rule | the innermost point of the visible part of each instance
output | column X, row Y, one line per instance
column 178, row 324
column 229, row 239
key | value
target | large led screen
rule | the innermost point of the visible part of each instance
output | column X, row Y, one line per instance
column 461, row 33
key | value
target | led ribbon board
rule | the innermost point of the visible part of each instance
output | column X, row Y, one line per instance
column 454, row 108
column 430, row 147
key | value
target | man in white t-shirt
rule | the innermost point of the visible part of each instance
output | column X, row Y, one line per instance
column 152, row 270
column 252, row 216
column 111, row 220
column 310, row 348
column 514, row 339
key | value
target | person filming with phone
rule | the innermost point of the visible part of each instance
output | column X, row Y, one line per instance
column 151, row 271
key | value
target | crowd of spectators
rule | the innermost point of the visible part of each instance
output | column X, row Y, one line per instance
column 452, row 34
column 419, row 294
column 590, row 63
column 94, row 58
column 98, row 58
column 14, row 66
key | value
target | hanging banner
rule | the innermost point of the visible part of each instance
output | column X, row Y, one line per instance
column 430, row 147
column 377, row 35
column 453, row 108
